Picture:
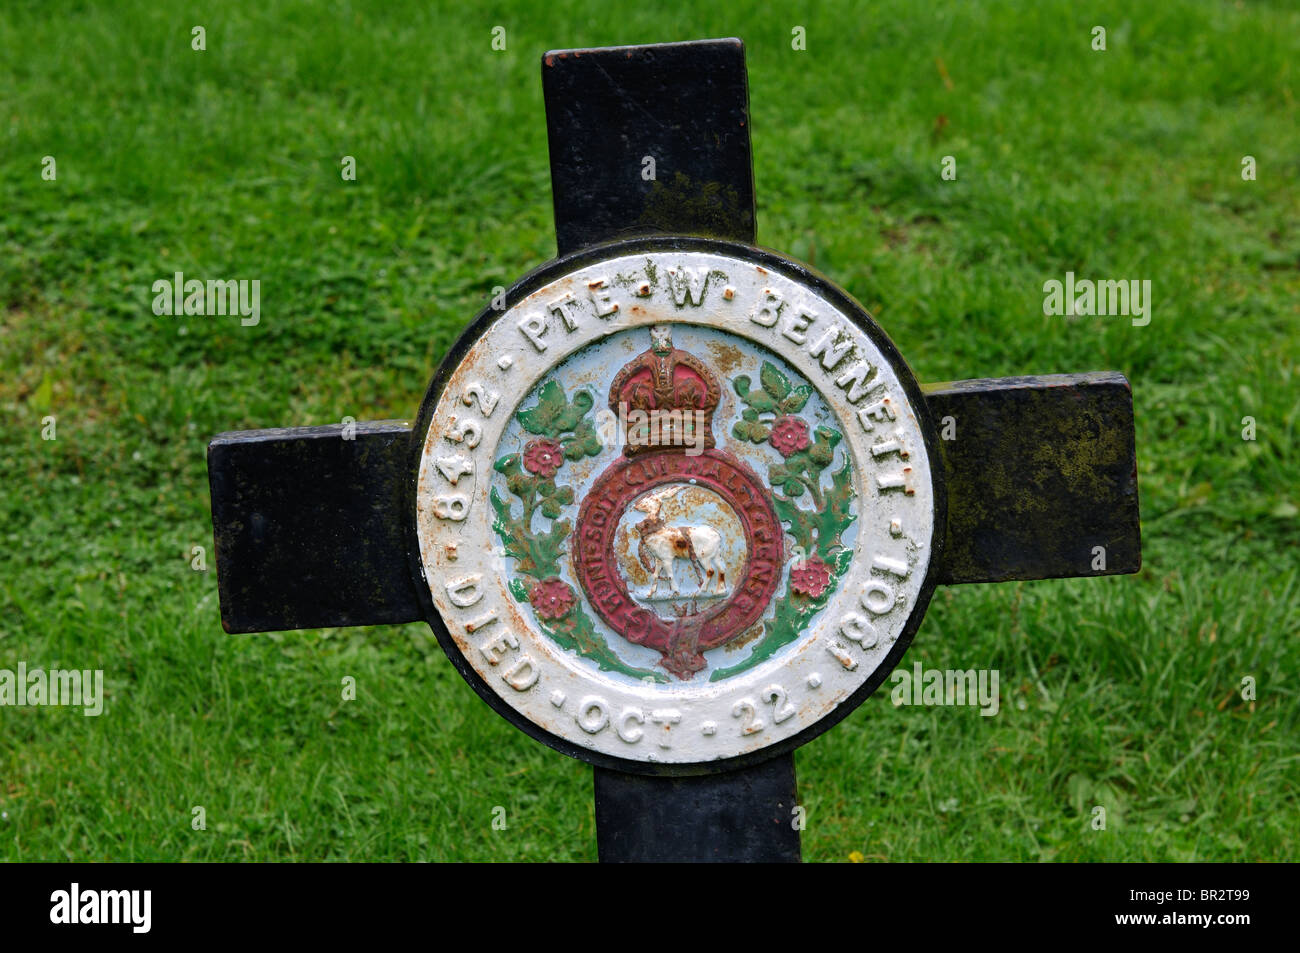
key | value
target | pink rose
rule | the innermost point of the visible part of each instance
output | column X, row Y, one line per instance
column 552, row 598
column 789, row 435
column 543, row 457
column 810, row 577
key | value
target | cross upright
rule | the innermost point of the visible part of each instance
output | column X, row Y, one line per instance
column 679, row 505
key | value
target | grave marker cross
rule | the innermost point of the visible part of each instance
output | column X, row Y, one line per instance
column 665, row 399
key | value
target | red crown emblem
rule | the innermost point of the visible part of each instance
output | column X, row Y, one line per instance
column 664, row 398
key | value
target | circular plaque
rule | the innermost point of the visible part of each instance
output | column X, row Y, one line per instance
column 676, row 505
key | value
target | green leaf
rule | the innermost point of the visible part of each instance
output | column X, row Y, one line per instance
column 821, row 453
column 798, row 462
column 545, row 549
column 514, row 539
column 541, row 418
column 519, row 483
column 576, row 633
column 774, row 382
column 574, row 447
column 832, row 437
column 519, row 589
column 741, row 384
column 793, row 488
column 583, row 441
column 749, row 414
column 835, row 517
column 798, row 521
column 761, row 401
column 778, row 473
column 553, row 415
column 793, row 403
column 749, row 430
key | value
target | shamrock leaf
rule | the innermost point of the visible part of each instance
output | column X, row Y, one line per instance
column 583, row 442
column 542, row 417
column 553, row 415
column 750, row 430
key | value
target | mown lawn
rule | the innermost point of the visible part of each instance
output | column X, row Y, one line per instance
column 1123, row 692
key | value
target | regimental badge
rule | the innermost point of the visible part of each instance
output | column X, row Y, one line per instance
column 676, row 503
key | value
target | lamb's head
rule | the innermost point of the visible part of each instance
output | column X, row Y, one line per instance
column 652, row 503
column 649, row 505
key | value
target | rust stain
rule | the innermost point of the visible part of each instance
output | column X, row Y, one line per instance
column 726, row 358
column 749, row 635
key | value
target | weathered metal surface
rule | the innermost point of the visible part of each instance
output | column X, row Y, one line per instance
column 694, row 763
column 744, row 816
column 523, row 491
column 310, row 528
column 1041, row 475
column 683, row 106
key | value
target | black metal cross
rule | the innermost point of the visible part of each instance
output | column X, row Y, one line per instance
column 314, row 530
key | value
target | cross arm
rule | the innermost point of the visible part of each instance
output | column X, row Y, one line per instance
column 309, row 526
column 1040, row 472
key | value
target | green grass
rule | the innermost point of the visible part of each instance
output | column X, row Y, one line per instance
column 1118, row 691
